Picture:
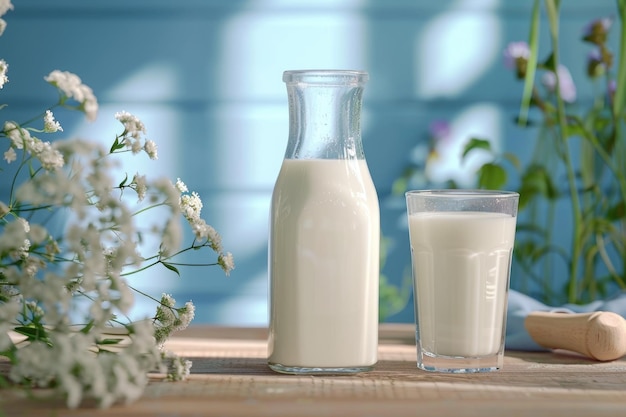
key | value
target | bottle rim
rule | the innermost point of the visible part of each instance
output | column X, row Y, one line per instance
column 325, row 76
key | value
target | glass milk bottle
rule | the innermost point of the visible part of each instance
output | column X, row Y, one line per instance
column 324, row 233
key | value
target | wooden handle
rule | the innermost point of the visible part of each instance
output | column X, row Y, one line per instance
column 600, row 335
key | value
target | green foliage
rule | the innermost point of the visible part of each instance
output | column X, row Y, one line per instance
column 576, row 172
column 392, row 298
column 584, row 152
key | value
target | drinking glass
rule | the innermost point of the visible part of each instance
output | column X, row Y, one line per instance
column 461, row 248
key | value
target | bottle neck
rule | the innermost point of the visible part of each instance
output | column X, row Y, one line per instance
column 325, row 114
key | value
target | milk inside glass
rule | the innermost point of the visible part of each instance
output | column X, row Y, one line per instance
column 324, row 283
column 461, row 266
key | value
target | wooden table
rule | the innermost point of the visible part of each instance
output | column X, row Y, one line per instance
column 230, row 378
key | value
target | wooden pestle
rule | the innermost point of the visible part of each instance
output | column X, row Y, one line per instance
column 600, row 335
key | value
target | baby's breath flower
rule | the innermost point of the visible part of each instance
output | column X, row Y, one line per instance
column 226, row 262
column 139, row 185
column 5, row 6
column 10, row 155
column 71, row 86
column 49, row 157
column 22, row 251
column 132, row 125
column 49, row 124
column 181, row 186
column 4, row 209
column 24, row 223
column 202, row 230
column 135, row 145
column 49, row 278
column 177, row 368
column 191, row 205
column 19, row 137
column 4, row 67
column 185, row 316
column 151, row 149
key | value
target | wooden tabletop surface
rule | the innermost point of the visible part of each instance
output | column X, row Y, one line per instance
column 230, row 378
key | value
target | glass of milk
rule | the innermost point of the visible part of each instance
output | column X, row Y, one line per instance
column 461, row 248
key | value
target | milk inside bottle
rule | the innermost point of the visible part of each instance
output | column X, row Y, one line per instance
column 324, row 233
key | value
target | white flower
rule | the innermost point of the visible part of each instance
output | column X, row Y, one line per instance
column 49, row 157
column 185, row 316
column 72, row 87
column 181, row 186
column 10, row 155
column 226, row 262
column 191, row 205
column 4, row 68
column 5, row 6
column 132, row 125
column 49, row 124
column 69, row 283
column 24, row 223
column 202, row 230
column 177, row 368
column 19, row 137
column 139, row 184
column 151, row 149
column 4, row 209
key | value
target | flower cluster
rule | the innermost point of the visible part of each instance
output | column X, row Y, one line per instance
column 516, row 56
column 70, row 237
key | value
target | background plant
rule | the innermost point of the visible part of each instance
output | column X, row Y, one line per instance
column 571, row 237
column 71, row 234
column 577, row 166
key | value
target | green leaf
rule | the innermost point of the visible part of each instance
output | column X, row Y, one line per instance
column 116, row 145
column 536, row 181
column 513, row 159
column 32, row 332
column 399, row 186
column 476, row 143
column 170, row 267
column 549, row 63
column 110, row 341
column 123, row 183
column 491, row 176
column 87, row 328
column 616, row 212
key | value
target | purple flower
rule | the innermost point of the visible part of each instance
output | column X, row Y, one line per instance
column 597, row 30
column 516, row 56
column 611, row 89
column 515, row 51
column 567, row 86
column 595, row 63
column 439, row 130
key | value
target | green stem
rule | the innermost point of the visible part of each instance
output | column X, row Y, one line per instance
column 620, row 97
column 552, row 7
column 531, row 66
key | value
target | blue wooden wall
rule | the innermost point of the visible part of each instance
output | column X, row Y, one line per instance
column 205, row 77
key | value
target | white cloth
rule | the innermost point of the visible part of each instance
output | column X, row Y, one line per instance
column 520, row 305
